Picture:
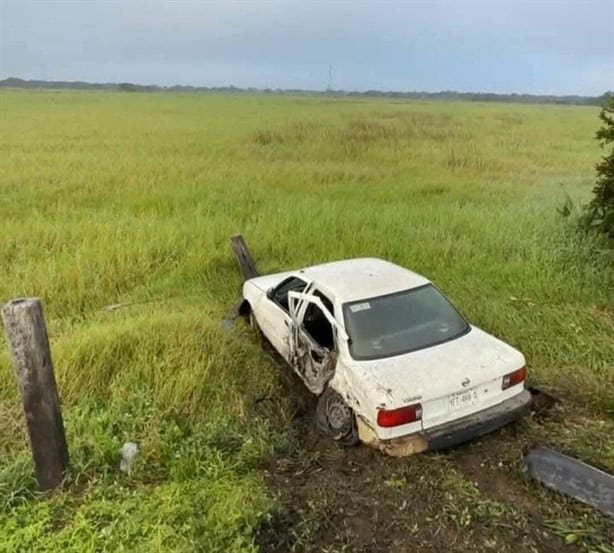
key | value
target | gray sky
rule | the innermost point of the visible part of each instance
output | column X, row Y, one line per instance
column 534, row 46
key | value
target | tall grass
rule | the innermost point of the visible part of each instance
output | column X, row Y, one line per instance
column 109, row 198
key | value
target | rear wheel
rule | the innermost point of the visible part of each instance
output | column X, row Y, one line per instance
column 335, row 418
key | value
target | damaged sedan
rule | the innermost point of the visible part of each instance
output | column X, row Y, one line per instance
column 392, row 361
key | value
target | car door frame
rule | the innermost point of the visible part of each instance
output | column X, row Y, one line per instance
column 276, row 319
column 314, row 363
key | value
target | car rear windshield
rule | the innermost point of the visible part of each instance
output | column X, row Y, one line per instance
column 402, row 322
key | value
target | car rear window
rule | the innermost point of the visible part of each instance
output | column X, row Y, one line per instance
column 402, row 322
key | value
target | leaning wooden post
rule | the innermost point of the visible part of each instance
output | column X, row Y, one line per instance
column 27, row 337
column 244, row 257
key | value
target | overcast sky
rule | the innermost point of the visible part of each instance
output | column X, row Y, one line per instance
column 548, row 47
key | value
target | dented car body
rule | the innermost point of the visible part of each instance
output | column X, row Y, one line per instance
column 382, row 345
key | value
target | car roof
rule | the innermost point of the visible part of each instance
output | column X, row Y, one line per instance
column 363, row 278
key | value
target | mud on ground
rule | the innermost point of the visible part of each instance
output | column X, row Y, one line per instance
column 473, row 498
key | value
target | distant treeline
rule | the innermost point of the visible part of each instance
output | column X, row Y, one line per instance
column 12, row 82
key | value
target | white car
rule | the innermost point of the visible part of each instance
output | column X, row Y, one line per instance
column 394, row 364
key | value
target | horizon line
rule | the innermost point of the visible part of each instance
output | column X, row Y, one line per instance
column 269, row 89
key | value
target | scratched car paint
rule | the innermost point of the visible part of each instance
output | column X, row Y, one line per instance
column 391, row 351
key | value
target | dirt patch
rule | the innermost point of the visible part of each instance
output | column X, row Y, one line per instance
column 357, row 499
column 496, row 483
column 331, row 499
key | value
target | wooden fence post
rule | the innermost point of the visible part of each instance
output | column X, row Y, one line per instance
column 244, row 257
column 27, row 337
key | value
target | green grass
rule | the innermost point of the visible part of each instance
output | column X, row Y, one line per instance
column 109, row 198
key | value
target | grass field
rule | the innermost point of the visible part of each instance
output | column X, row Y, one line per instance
column 115, row 198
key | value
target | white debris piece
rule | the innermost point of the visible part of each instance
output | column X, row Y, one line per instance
column 129, row 451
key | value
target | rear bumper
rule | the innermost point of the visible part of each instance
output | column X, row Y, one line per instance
column 470, row 427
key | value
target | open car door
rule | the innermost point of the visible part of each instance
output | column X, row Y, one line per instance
column 314, row 362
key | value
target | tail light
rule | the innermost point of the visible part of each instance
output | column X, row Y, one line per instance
column 397, row 417
column 513, row 378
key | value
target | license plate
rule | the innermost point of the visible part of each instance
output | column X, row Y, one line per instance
column 462, row 400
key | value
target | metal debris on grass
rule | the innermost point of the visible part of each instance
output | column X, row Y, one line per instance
column 572, row 477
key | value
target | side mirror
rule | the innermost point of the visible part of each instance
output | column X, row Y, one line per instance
column 270, row 293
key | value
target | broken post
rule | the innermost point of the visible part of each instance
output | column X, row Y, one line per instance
column 27, row 338
column 244, row 257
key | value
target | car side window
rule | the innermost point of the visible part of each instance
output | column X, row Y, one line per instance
column 316, row 323
column 292, row 284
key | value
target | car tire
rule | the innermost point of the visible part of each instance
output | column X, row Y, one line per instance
column 335, row 418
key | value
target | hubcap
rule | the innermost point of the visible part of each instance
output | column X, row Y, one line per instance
column 338, row 415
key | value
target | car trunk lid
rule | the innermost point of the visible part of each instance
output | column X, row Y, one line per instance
column 450, row 380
